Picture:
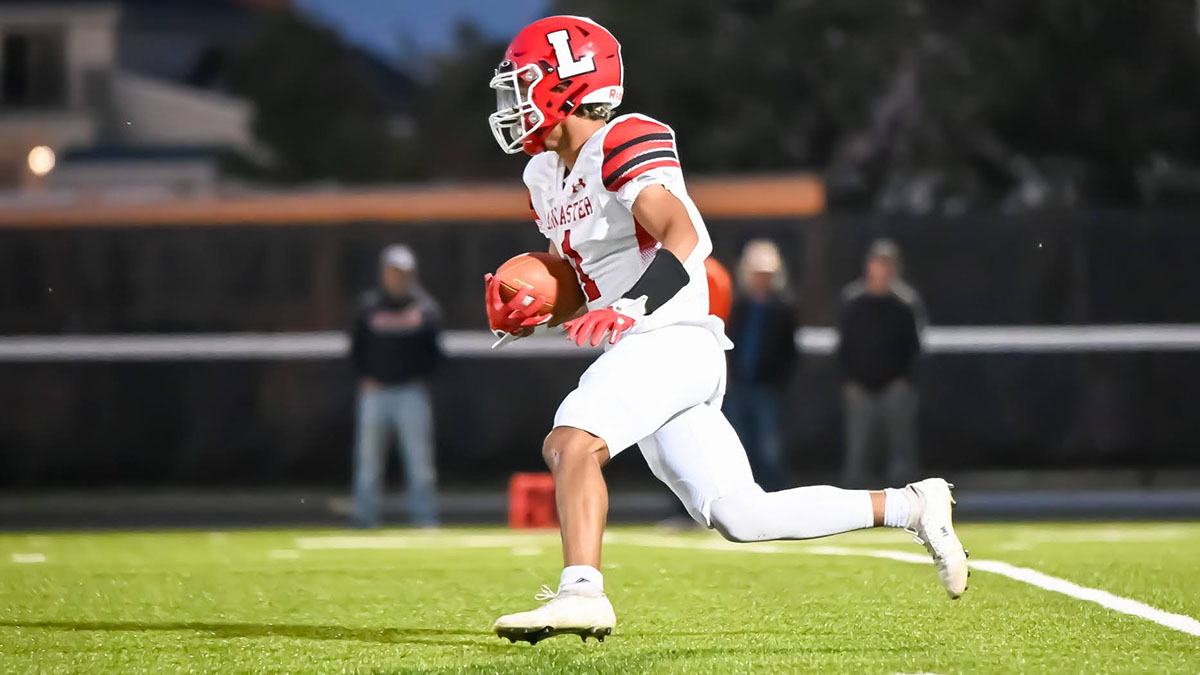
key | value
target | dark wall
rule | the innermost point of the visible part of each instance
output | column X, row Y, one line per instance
column 249, row 423
column 274, row 423
column 1074, row 268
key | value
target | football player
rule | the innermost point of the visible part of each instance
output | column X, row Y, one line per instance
column 608, row 193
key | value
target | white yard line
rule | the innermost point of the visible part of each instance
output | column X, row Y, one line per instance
column 28, row 558
column 1179, row 622
column 424, row 540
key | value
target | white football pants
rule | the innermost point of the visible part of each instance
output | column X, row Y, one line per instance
column 662, row 390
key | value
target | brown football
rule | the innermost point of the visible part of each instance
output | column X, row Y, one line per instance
column 546, row 275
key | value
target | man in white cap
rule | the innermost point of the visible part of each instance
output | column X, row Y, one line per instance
column 395, row 349
column 762, row 326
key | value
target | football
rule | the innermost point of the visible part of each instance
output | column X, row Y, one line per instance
column 546, row 275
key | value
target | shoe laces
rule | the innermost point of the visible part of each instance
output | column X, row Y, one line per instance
column 546, row 594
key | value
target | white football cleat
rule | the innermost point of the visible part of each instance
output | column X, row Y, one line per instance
column 565, row 612
column 934, row 528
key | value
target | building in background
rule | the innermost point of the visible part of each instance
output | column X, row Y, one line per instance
column 134, row 96
column 121, row 92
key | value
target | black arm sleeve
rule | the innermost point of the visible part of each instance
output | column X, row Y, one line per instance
column 661, row 281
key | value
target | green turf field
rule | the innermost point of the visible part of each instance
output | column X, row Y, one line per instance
column 402, row 601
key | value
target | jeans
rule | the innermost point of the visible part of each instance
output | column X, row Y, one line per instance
column 756, row 413
column 405, row 409
column 892, row 410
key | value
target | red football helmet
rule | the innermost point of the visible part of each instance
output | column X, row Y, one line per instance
column 549, row 69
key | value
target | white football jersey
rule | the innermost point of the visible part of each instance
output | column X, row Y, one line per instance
column 587, row 214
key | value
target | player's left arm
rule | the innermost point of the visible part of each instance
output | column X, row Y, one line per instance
column 665, row 218
column 640, row 164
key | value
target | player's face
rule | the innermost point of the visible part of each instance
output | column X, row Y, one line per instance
column 554, row 138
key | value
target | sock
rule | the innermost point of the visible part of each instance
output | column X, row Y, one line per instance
column 897, row 506
column 584, row 577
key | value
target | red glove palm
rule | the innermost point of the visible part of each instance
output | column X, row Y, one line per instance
column 518, row 316
column 614, row 320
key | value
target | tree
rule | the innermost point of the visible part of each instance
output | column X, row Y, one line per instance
column 913, row 105
column 921, row 104
column 317, row 110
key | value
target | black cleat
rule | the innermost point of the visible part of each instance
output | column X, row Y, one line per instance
column 536, row 635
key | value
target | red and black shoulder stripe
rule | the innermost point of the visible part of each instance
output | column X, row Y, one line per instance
column 634, row 146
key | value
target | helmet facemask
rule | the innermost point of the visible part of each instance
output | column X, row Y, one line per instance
column 516, row 117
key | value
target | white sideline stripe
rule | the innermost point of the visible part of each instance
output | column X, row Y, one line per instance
column 477, row 344
column 1179, row 622
column 28, row 558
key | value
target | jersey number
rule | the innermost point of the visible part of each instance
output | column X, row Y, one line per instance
column 590, row 289
column 568, row 65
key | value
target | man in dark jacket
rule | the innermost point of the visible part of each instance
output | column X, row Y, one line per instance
column 879, row 327
column 394, row 349
column 762, row 326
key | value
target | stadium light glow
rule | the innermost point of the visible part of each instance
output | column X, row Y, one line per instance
column 41, row 160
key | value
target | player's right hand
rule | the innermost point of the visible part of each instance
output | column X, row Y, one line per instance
column 517, row 317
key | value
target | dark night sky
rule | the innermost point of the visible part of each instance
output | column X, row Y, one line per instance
column 386, row 25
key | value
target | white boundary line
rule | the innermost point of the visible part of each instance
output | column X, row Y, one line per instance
column 477, row 344
column 1179, row 622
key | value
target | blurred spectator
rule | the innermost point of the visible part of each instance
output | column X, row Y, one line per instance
column 879, row 326
column 394, row 349
column 762, row 326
